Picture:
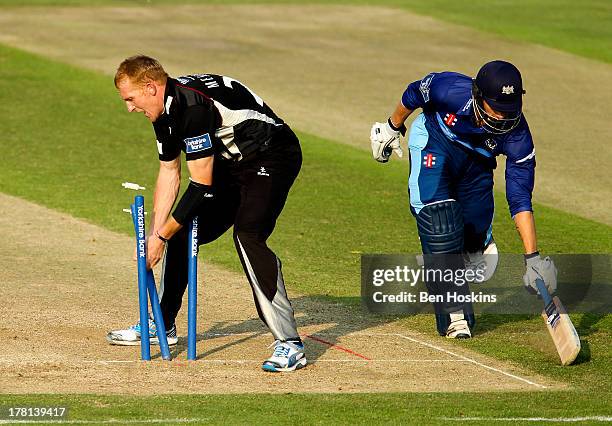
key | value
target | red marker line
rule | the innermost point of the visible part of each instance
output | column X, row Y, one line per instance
column 338, row 347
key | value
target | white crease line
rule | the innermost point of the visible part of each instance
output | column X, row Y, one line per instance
column 389, row 360
column 231, row 334
column 473, row 361
column 529, row 419
column 461, row 357
column 318, row 333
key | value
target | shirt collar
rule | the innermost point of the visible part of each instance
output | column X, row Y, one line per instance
column 467, row 108
column 169, row 95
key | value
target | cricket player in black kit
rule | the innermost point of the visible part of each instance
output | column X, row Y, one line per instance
column 242, row 160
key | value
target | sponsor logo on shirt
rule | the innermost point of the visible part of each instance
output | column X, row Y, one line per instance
column 424, row 86
column 263, row 172
column 197, row 143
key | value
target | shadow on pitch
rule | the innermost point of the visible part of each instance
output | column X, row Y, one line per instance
column 333, row 319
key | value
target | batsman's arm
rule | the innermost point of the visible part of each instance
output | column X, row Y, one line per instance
column 525, row 225
column 166, row 191
column 519, row 188
column 520, row 182
column 385, row 137
column 399, row 116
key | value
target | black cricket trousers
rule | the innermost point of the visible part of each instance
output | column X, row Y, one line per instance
column 249, row 195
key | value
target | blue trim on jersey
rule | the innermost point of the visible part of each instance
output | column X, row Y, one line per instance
column 489, row 235
column 450, row 135
column 417, row 140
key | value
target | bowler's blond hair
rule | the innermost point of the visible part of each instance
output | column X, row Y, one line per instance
column 140, row 69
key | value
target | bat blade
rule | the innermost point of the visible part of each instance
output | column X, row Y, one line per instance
column 562, row 331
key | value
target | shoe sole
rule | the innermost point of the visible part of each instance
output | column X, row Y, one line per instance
column 154, row 341
column 301, row 363
column 460, row 336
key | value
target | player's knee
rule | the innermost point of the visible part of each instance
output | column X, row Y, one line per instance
column 440, row 227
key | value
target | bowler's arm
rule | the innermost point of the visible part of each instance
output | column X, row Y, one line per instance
column 201, row 172
column 166, row 191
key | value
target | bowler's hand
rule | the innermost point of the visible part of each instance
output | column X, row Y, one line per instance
column 155, row 251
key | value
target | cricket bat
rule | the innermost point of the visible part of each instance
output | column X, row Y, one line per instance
column 559, row 326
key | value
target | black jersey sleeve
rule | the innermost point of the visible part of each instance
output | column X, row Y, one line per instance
column 167, row 145
column 199, row 124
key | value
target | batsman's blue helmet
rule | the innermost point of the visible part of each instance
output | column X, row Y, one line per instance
column 500, row 84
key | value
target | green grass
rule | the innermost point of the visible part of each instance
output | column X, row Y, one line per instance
column 522, row 339
column 580, row 27
column 71, row 143
column 388, row 408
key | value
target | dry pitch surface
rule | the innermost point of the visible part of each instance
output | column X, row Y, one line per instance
column 332, row 71
column 69, row 282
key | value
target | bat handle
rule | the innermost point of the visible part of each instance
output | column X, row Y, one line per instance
column 543, row 291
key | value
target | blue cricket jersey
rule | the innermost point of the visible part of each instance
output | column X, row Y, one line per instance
column 446, row 100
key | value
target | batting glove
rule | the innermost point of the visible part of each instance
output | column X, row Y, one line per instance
column 385, row 139
column 539, row 268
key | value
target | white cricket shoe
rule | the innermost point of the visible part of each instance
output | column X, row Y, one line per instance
column 131, row 336
column 458, row 328
column 287, row 356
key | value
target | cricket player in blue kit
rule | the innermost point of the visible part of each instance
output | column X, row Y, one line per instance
column 453, row 143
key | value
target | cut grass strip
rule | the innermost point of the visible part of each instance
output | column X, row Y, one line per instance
column 582, row 28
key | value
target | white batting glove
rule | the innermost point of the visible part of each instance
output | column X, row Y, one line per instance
column 542, row 268
column 384, row 141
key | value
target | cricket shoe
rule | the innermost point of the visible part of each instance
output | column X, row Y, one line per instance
column 131, row 336
column 458, row 328
column 287, row 356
